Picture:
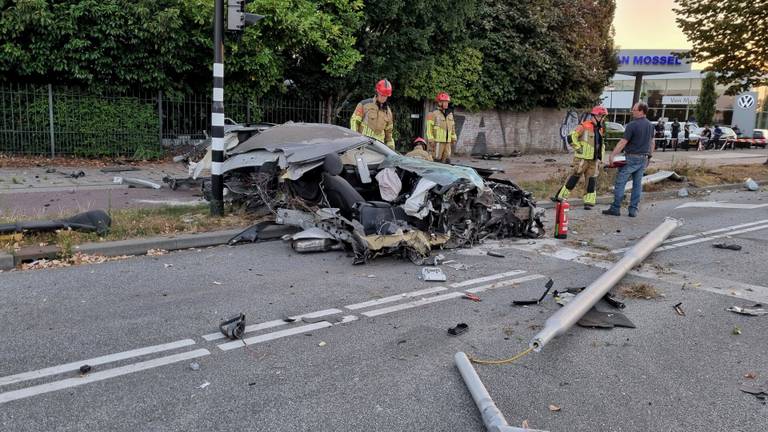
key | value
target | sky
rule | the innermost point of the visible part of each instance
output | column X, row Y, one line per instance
column 647, row 24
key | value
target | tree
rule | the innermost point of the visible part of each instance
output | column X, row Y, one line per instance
column 729, row 35
column 705, row 107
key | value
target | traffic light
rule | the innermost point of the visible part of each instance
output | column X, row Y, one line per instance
column 237, row 17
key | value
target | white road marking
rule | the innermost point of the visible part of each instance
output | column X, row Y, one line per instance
column 699, row 235
column 99, row 376
column 394, row 298
column 69, row 367
column 714, row 237
column 486, row 279
column 504, row 283
column 723, row 205
column 283, row 333
column 276, row 323
column 413, row 304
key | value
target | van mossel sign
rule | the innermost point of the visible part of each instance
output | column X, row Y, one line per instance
column 652, row 61
column 679, row 100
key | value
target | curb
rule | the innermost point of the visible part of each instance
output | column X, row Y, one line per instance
column 608, row 199
column 141, row 246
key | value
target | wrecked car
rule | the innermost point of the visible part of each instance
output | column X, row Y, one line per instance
column 347, row 191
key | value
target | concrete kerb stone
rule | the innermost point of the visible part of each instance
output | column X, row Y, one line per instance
column 608, row 199
column 6, row 261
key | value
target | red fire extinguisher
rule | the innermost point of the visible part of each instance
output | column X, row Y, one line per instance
column 561, row 219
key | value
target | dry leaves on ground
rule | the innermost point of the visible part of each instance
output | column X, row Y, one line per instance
column 76, row 259
column 639, row 291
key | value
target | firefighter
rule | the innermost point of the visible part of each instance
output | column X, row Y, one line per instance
column 588, row 141
column 420, row 150
column 373, row 118
column 441, row 129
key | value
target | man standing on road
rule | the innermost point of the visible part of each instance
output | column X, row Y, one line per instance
column 638, row 146
column 660, row 138
column 588, row 152
column 441, row 129
column 675, row 131
column 373, row 118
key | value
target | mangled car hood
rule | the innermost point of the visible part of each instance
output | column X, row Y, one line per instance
column 439, row 173
column 302, row 142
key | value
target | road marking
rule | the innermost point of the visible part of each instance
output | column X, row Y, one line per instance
column 698, row 235
column 486, row 279
column 505, row 283
column 413, row 304
column 99, row 376
column 276, row 323
column 724, row 205
column 69, row 367
column 705, row 239
column 395, row 298
column 283, row 333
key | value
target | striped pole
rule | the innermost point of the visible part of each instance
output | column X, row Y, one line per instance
column 217, row 112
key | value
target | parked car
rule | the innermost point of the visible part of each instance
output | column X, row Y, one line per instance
column 693, row 136
column 728, row 137
column 344, row 190
column 760, row 134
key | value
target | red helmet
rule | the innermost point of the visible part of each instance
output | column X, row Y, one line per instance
column 443, row 96
column 419, row 140
column 599, row 110
column 384, row 88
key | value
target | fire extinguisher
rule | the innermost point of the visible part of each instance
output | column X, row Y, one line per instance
column 561, row 219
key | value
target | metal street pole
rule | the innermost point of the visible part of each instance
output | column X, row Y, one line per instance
column 217, row 112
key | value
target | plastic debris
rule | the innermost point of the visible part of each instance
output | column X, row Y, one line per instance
column 563, row 298
column 751, row 185
column 496, row 254
column 204, row 385
column 433, row 274
column 678, row 309
column 548, row 286
column 473, row 297
column 747, row 311
column 459, row 329
column 194, row 366
column 321, row 344
column 136, row 182
column 84, row 369
column 682, row 193
column 736, row 330
column 554, row 408
column 731, row 246
column 599, row 319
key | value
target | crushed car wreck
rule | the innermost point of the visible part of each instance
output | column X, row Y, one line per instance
column 348, row 191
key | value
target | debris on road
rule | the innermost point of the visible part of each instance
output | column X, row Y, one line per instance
column 433, row 274
column 730, row 246
column 77, row 258
column 473, row 297
column 547, row 287
column 321, row 344
column 496, row 254
column 554, row 408
column 736, row 331
column 641, row 291
column 750, row 375
column 136, row 182
column 491, row 156
column 233, row 328
column 204, row 385
column 456, row 265
column 682, row 193
column 156, row 252
column 115, row 169
column 601, row 319
column 751, row 185
column 97, row 221
column 84, row 369
column 459, row 329
column 679, row 309
column 187, row 183
column 748, row 311
column 754, row 388
column 194, row 366
column 657, row 177
column 566, row 317
column 563, row 298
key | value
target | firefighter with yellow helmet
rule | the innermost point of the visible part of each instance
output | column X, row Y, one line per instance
column 588, row 141
column 373, row 117
column 441, row 129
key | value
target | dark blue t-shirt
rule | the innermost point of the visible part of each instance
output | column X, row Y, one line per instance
column 638, row 133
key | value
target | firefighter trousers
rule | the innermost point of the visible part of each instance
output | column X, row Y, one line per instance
column 590, row 169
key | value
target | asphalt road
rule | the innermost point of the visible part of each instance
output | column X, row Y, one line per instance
column 388, row 365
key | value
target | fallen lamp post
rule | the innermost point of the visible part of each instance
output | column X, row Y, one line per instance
column 569, row 314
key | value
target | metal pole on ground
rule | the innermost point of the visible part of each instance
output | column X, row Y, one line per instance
column 217, row 112
column 492, row 418
column 50, row 119
column 569, row 314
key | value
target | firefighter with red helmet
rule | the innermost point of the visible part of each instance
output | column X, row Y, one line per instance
column 588, row 142
column 441, row 129
column 373, row 117
column 419, row 150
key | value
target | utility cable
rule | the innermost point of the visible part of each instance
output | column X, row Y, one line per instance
column 501, row 361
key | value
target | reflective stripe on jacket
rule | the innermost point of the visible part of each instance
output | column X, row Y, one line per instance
column 373, row 120
column 584, row 141
column 440, row 128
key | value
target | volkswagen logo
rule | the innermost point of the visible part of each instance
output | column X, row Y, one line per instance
column 746, row 101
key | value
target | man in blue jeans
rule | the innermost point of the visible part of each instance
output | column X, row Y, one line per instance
column 638, row 146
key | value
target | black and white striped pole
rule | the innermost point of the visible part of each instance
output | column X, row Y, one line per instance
column 237, row 19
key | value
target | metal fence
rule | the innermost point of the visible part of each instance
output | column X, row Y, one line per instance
column 49, row 120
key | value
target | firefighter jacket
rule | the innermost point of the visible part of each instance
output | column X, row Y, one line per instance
column 588, row 141
column 440, row 127
column 374, row 120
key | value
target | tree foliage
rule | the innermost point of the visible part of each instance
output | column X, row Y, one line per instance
column 705, row 107
column 729, row 35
